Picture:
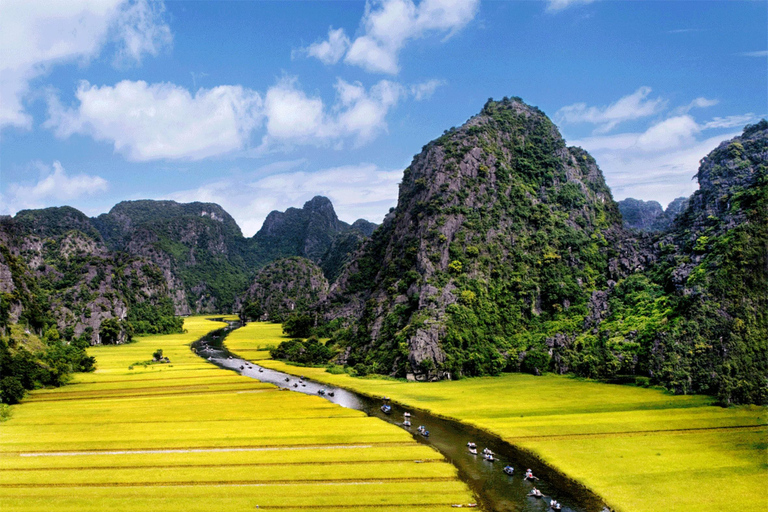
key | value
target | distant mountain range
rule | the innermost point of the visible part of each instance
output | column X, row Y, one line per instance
column 506, row 252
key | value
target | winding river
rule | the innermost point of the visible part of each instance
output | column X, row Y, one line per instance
column 495, row 490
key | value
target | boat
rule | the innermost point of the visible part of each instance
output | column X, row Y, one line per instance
column 509, row 470
column 407, row 414
column 406, row 423
column 287, row 379
column 425, row 433
column 242, row 367
column 535, row 493
column 386, row 409
column 471, row 445
column 331, row 393
column 473, row 451
column 529, row 475
column 321, row 391
column 261, row 370
column 295, row 384
column 486, row 451
column 554, row 505
column 489, row 457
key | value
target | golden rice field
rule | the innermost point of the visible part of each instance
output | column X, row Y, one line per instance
column 188, row 436
column 642, row 450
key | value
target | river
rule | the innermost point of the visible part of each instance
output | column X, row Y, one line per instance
column 495, row 490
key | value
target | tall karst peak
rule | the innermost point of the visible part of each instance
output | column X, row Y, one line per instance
column 499, row 226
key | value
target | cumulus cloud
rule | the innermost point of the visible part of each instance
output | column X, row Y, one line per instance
column 357, row 191
column 38, row 34
column 140, row 30
column 331, row 50
column 160, row 121
column 426, row 89
column 147, row 122
column 387, row 26
column 632, row 106
column 293, row 117
column 659, row 163
column 54, row 186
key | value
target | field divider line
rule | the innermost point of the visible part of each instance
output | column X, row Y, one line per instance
column 206, row 450
column 260, row 483
column 232, row 465
column 644, row 432
column 145, row 395
column 259, row 419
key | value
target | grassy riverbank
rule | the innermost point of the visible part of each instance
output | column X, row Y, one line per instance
column 641, row 449
column 188, row 436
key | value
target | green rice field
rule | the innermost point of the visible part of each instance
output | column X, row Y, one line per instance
column 188, row 436
column 642, row 450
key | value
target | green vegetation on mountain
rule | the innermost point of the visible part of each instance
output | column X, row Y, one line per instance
column 284, row 287
column 506, row 253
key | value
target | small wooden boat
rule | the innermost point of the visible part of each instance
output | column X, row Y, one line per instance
column 331, row 393
column 242, row 367
column 471, row 445
column 287, row 379
column 407, row 414
column 261, row 370
column 406, row 423
column 489, row 457
column 321, row 391
column 295, row 384
column 535, row 493
column 473, row 451
column 509, row 470
column 386, row 409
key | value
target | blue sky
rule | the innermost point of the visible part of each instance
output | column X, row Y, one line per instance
column 262, row 105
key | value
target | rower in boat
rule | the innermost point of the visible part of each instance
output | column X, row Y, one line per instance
column 535, row 493
column 554, row 505
column 261, row 370
column 331, row 393
column 386, row 408
column 471, row 445
column 529, row 475
column 407, row 423
column 321, row 391
column 489, row 457
column 486, row 451
column 407, row 414
column 472, row 450
column 287, row 379
column 509, row 470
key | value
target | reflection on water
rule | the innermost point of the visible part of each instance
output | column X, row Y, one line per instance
column 495, row 490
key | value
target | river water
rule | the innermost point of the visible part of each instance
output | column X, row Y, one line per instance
column 495, row 490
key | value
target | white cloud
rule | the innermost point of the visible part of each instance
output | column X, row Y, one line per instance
column 332, row 50
column 386, row 27
column 559, row 5
column 161, row 121
column 165, row 121
column 140, row 30
column 700, row 102
column 38, row 34
column 633, row 106
column 357, row 191
column 731, row 121
column 659, row 163
column 426, row 89
column 54, row 186
column 295, row 118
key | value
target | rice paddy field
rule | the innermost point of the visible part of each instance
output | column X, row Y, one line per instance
column 642, row 450
column 188, row 436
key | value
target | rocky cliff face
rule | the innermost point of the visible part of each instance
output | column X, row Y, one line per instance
column 506, row 252
column 499, row 227
column 198, row 246
column 56, row 269
column 648, row 215
column 284, row 287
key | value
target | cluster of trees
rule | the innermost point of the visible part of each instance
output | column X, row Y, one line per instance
column 49, row 361
column 309, row 352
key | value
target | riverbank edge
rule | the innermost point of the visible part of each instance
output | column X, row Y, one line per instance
column 573, row 484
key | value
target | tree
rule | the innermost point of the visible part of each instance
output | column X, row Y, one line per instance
column 298, row 326
column 110, row 331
